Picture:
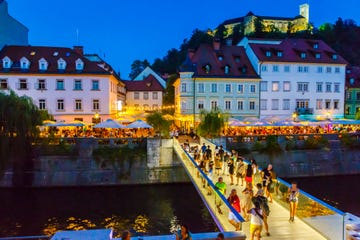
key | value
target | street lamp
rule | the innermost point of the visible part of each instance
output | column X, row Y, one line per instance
column 294, row 116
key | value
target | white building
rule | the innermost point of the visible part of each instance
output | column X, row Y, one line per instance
column 299, row 76
column 62, row 81
column 12, row 32
column 216, row 77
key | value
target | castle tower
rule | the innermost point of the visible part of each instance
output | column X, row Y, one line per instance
column 304, row 11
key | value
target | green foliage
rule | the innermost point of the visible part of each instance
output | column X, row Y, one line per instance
column 315, row 142
column 283, row 188
column 137, row 67
column 221, row 33
column 349, row 141
column 55, row 147
column 160, row 125
column 357, row 116
column 169, row 97
column 258, row 146
column 290, row 144
column 237, row 33
column 211, row 123
column 272, row 145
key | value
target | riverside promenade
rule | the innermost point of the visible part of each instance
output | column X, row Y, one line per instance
column 329, row 224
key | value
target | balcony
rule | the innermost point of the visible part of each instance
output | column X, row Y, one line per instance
column 304, row 111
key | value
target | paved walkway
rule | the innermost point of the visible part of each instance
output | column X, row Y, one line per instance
column 279, row 226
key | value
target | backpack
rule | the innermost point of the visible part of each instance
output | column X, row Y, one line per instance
column 263, row 203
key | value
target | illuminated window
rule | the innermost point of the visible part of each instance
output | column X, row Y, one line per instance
column 275, row 86
column 286, row 86
column 319, row 103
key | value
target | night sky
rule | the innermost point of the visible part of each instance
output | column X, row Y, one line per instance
column 122, row 31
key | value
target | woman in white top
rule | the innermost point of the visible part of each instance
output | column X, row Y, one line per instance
column 256, row 221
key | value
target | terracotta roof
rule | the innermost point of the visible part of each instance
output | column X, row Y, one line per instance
column 315, row 51
column 150, row 83
column 51, row 55
column 208, row 62
column 353, row 77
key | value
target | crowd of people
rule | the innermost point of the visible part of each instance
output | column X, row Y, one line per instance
column 256, row 186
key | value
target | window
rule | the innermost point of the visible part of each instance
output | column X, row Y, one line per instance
column 23, row 84
column 6, row 62
column 3, row 84
column 319, row 87
column 226, row 69
column 306, row 69
column 61, row 64
column 328, row 69
column 200, row 104
column 207, row 68
column 227, row 105
column 146, row 95
column 79, row 65
column 136, row 95
column 337, row 87
column 336, row 104
column 286, row 104
column 41, row 84
column 263, row 104
column 303, row 87
column 183, row 87
column 60, row 104
column 240, row 88
column 316, row 46
column 214, row 87
column 43, row 64
column 279, row 53
column 334, row 57
column 78, row 105
column 303, row 55
column 317, row 55
column 95, row 85
column 358, row 96
column 42, row 104
column 287, row 68
column 77, row 85
column 228, row 88
column 201, row 88
column 274, row 104
column 24, row 63
column 302, row 103
column 337, row 70
column 327, row 103
column 286, row 86
column 155, row 106
column 214, row 105
column 240, row 105
column 96, row 104
column 319, row 69
column 252, row 88
column 275, row 68
column 252, row 105
column 319, row 103
column 328, row 87
column 264, row 68
column 348, row 94
column 268, row 53
column 275, row 87
column 60, row 84
column 155, row 95
column 263, row 86
column 300, row 69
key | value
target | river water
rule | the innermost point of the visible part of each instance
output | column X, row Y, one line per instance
column 146, row 209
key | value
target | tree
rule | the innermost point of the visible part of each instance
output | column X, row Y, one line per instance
column 258, row 28
column 159, row 123
column 19, row 119
column 211, row 123
column 221, row 33
column 137, row 67
column 238, row 33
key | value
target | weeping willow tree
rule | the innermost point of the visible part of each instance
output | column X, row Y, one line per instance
column 19, row 119
column 211, row 123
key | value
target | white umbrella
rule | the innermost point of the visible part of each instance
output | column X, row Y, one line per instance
column 138, row 124
column 109, row 123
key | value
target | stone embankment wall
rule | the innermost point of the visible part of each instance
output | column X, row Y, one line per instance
column 159, row 166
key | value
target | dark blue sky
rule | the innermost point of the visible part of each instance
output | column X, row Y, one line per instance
column 122, row 31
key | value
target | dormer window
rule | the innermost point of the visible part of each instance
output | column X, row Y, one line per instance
column 237, row 59
column 317, row 55
column 279, row 53
column 303, row 55
column 220, row 58
column 352, row 81
column 7, row 62
column 24, row 63
column 79, row 65
column 43, row 64
column 207, row 68
column 226, row 69
column 316, row 46
column 244, row 69
column 334, row 57
column 61, row 64
column 268, row 53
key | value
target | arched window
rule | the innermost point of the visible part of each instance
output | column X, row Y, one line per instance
column 61, row 64
column 7, row 62
column 43, row 64
column 24, row 63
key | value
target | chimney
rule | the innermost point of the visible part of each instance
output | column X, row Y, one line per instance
column 216, row 44
column 79, row 49
column 191, row 53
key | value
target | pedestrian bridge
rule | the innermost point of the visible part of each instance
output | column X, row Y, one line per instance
column 314, row 220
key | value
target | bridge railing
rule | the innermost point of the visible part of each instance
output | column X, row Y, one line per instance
column 211, row 196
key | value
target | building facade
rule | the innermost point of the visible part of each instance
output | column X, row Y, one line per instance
column 12, row 32
column 62, row 81
column 298, row 76
column 216, row 77
column 270, row 23
column 352, row 92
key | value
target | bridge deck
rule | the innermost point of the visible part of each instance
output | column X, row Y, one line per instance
column 279, row 226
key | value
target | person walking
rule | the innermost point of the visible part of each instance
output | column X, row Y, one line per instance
column 293, row 195
column 256, row 221
column 234, row 201
column 240, row 172
column 231, row 167
column 248, row 194
column 220, row 185
column 267, row 181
